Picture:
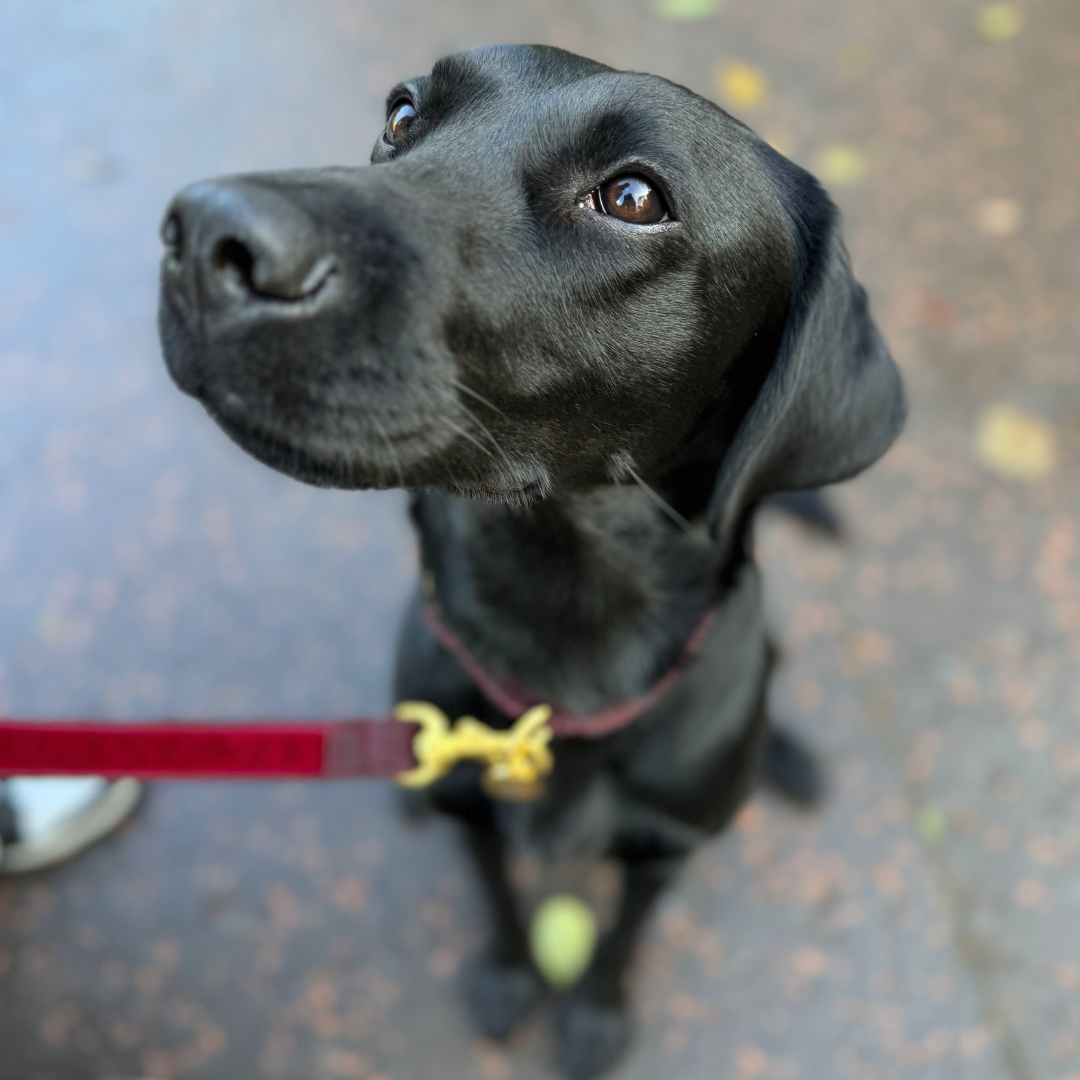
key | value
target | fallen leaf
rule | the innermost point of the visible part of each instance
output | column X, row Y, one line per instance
column 1014, row 443
column 752, row 1062
column 840, row 165
column 998, row 22
column 563, row 937
column 931, row 825
column 998, row 217
column 686, row 10
column 1030, row 893
column 740, row 85
column 810, row 963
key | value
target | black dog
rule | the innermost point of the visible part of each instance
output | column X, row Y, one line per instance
column 592, row 320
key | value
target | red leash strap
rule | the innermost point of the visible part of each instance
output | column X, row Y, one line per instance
column 264, row 751
column 186, row 751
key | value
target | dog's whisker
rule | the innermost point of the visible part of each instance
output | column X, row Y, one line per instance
column 494, row 442
column 472, row 438
column 479, row 397
column 394, row 457
column 511, row 471
column 659, row 500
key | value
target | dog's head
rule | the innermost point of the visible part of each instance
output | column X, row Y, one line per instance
column 553, row 274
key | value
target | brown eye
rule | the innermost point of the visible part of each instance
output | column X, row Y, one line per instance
column 632, row 199
column 401, row 116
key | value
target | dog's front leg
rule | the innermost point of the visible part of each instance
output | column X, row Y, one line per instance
column 502, row 984
column 593, row 1026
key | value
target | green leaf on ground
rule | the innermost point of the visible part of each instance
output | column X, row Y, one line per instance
column 930, row 824
column 686, row 10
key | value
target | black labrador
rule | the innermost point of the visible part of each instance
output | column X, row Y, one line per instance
column 590, row 320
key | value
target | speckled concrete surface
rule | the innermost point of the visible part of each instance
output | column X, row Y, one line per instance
column 923, row 925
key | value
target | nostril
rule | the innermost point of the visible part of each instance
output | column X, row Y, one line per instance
column 233, row 259
column 255, row 271
column 172, row 236
column 231, row 243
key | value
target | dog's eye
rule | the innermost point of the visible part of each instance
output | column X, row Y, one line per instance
column 401, row 116
column 629, row 198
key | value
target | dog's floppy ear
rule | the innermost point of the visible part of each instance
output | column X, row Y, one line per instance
column 833, row 401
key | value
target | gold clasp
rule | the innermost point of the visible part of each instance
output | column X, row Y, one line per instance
column 517, row 759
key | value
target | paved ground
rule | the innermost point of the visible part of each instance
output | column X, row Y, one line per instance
column 924, row 925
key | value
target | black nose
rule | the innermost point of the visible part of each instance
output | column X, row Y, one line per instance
column 242, row 241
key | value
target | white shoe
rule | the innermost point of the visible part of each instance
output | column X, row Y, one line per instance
column 45, row 820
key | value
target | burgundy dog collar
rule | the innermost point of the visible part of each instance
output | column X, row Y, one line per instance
column 512, row 699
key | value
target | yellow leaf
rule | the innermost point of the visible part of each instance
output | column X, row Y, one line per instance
column 999, row 22
column 562, row 937
column 840, row 165
column 1014, row 443
column 740, row 85
column 686, row 10
column 998, row 217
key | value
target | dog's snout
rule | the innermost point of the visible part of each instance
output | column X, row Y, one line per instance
column 244, row 243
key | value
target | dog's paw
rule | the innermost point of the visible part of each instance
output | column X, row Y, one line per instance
column 500, row 997
column 590, row 1037
column 789, row 769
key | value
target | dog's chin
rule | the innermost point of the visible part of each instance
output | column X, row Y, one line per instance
column 533, row 492
column 354, row 473
column 370, row 471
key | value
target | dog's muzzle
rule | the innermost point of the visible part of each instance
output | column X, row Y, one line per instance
column 238, row 253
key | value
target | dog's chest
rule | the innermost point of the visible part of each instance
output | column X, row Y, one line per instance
column 647, row 778
column 585, row 602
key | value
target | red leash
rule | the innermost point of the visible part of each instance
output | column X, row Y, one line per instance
column 175, row 751
column 267, row 751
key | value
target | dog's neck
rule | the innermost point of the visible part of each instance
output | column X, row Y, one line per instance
column 584, row 599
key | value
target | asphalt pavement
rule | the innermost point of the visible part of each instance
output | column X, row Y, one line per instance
column 924, row 924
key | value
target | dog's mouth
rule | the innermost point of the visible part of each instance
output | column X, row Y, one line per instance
column 379, row 467
column 532, row 492
column 380, row 459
